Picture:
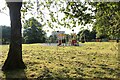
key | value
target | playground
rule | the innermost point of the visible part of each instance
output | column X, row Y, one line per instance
column 64, row 40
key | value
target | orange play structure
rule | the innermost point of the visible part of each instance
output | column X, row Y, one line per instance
column 72, row 40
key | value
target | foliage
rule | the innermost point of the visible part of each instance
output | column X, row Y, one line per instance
column 87, row 35
column 6, row 33
column 107, row 19
column 53, row 39
column 78, row 13
column 46, row 11
column 61, row 12
column 33, row 32
column 91, row 60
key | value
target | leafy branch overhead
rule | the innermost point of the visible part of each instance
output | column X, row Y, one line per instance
column 63, row 13
column 107, row 18
column 79, row 12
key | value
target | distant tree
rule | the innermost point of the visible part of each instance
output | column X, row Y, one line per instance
column 86, row 35
column 93, row 34
column 53, row 38
column 101, row 35
column 6, row 33
column 33, row 32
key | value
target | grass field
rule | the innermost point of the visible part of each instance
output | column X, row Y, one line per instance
column 93, row 60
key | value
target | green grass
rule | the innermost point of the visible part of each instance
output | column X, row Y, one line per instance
column 93, row 60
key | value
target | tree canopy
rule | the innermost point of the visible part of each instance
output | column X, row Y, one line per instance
column 107, row 17
column 33, row 32
column 59, row 12
column 87, row 35
column 6, row 33
column 79, row 13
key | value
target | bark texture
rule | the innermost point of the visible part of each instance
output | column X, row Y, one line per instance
column 14, row 58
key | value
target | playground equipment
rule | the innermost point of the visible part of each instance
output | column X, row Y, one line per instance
column 74, row 41
column 61, row 39
column 71, row 40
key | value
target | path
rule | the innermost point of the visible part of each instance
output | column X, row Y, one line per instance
column 55, row 44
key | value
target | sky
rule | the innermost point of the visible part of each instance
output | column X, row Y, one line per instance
column 4, row 17
column 5, row 20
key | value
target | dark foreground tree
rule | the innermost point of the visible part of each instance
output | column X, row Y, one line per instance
column 14, row 58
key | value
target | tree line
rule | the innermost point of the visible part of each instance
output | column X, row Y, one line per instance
column 32, row 32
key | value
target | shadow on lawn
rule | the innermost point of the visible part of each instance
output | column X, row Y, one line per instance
column 16, row 74
column 111, row 71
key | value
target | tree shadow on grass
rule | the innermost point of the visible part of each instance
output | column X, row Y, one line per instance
column 15, row 74
column 111, row 71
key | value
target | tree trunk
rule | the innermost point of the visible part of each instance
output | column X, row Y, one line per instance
column 14, row 58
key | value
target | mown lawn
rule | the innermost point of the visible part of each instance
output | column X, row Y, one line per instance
column 93, row 60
